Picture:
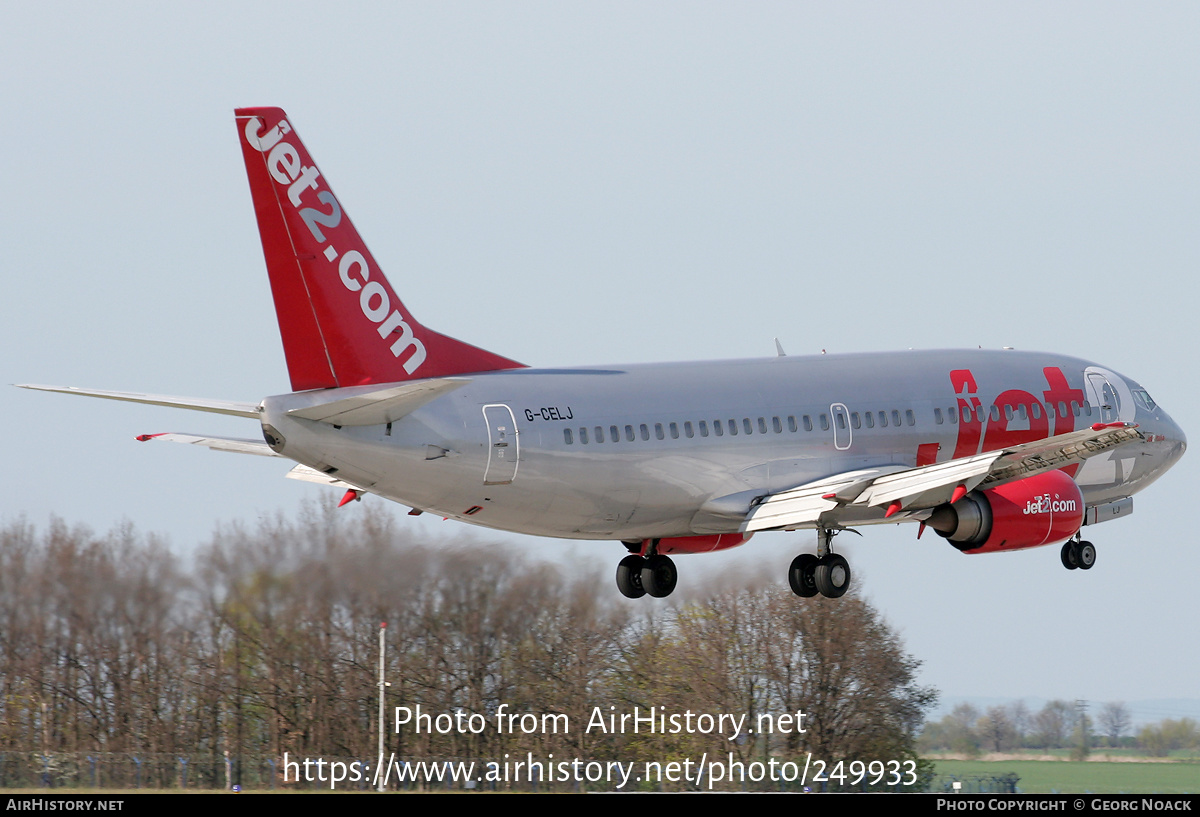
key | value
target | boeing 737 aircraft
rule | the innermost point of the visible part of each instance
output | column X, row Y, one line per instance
column 994, row 450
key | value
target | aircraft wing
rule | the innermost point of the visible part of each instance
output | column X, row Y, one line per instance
column 913, row 489
column 193, row 403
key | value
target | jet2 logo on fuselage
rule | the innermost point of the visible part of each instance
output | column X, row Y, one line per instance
column 973, row 438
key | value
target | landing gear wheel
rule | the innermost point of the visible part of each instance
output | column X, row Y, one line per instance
column 832, row 576
column 1070, row 556
column 629, row 577
column 659, row 576
column 1086, row 555
column 801, row 575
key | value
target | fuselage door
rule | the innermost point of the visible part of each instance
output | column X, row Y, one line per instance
column 1106, row 395
column 503, row 448
column 843, row 435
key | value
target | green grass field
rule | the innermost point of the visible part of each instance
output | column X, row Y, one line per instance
column 1089, row 777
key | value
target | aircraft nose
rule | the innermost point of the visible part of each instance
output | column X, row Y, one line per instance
column 1173, row 436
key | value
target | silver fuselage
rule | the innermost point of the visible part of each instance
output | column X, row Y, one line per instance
column 633, row 452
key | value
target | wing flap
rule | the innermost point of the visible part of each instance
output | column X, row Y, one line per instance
column 805, row 504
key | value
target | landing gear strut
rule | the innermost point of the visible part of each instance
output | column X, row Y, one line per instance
column 826, row 573
column 1078, row 554
column 653, row 574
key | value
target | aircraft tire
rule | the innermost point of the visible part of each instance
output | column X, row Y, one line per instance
column 1086, row 555
column 659, row 576
column 1070, row 556
column 801, row 575
column 832, row 576
column 629, row 577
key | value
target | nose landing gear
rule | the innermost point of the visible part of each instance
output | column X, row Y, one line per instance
column 1078, row 554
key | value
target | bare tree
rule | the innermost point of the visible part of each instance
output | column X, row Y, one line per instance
column 1114, row 721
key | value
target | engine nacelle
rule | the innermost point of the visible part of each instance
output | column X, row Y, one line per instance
column 1029, row 513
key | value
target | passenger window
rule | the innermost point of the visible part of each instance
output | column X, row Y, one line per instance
column 704, row 428
column 791, row 423
column 895, row 418
column 937, row 416
column 1075, row 408
column 807, row 423
column 762, row 425
column 1008, row 413
column 952, row 415
column 841, row 421
column 855, row 420
column 883, row 419
column 567, row 437
column 674, row 431
column 1022, row 412
column 824, row 422
column 909, row 417
column 746, row 425
column 658, row 431
column 645, row 431
column 1062, row 409
column 583, row 436
column 687, row 429
column 599, row 434
column 718, row 429
column 629, row 433
column 1036, row 410
column 870, row 418
column 614, row 434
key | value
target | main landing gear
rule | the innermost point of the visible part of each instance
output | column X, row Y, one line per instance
column 826, row 573
column 652, row 574
column 1078, row 554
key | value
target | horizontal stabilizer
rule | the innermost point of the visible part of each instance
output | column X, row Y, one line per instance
column 192, row 403
column 371, row 408
column 235, row 445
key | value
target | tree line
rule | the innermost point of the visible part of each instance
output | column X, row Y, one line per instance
column 1059, row 724
column 266, row 643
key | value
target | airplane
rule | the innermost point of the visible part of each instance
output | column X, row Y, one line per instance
column 995, row 450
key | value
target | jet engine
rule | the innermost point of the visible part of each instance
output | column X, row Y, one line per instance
column 1031, row 512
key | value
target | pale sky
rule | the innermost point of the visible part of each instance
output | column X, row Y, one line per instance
column 568, row 183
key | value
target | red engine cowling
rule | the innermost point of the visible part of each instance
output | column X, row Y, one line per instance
column 1029, row 513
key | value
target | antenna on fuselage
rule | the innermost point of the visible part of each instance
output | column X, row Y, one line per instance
column 779, row 349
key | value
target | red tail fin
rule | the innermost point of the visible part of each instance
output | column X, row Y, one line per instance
column 341, row 322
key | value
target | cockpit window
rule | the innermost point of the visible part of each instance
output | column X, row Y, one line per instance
column 1142, row 398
